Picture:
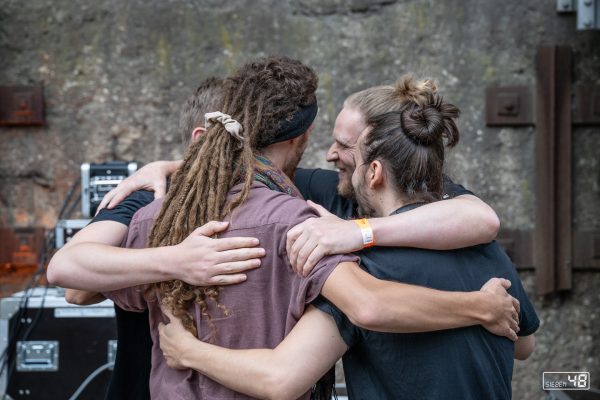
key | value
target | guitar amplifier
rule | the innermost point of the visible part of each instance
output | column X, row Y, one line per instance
column 50, row 347
column 99, row 179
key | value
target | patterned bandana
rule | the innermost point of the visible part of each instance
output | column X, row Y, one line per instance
column 273, row 177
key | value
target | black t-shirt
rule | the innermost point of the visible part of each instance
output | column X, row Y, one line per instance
column 320, row 186
column 131, row 373
column 462, row 364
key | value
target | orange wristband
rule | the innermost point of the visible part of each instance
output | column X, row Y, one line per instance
column 366, row 231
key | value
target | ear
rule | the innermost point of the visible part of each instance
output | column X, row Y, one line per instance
column 197, row 132
column 375, row 175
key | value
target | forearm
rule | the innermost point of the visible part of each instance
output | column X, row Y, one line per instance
column 396, row 307
column 100, row 267
column 460, row 222
column 169, row 167
column 286, row 372
column 253, row 372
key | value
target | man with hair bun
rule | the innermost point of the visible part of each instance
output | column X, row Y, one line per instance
column 399, row 161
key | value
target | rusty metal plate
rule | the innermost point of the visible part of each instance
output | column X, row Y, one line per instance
column 21, row 105
column 21, row 246
column 509, row 106
column 587, row 105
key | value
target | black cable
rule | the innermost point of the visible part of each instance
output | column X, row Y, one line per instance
column 25, row 336
column 23, row 305
column 8, row 353
column 72, row 208
column 68, row 198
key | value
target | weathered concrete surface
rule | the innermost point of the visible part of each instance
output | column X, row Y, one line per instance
column 116, row 72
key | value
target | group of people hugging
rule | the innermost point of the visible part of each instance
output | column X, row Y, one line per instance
column 237, row 275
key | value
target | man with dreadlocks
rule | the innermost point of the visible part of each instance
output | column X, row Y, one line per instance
column 92, row 261
column 237, row 171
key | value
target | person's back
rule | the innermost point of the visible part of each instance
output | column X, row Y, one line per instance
column 260, row 312
column 465, row 363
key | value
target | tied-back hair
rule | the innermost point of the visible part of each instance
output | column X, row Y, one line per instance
column 378, row 100
column 206, row 98
column 259, row 96
column 410, row 141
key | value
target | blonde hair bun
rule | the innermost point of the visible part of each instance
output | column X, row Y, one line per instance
column 410, row 89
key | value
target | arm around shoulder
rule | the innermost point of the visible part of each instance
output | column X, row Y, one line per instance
column 442, row 225
column 386, row 306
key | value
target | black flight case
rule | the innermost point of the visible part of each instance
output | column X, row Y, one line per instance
column 51, row 349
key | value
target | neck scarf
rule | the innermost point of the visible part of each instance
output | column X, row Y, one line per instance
column 273, row 177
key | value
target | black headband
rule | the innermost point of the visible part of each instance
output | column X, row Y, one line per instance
column 296, row 126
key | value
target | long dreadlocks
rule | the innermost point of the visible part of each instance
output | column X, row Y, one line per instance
column 260, row 95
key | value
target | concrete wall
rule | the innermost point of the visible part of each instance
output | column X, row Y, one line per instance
column 116, row 72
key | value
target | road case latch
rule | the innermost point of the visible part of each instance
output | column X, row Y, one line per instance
column 37, row 355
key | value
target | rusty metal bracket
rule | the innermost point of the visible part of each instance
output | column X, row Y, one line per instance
column 21, row 105
column 509, row 106
column 587, row 105
column 21, row 246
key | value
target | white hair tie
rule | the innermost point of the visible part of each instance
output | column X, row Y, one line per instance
column 234, row 128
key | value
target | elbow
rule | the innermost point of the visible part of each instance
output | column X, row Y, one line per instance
column 522, row 356
column 54, row 273
column 367, row 314
column 491, row 225
column 279, row 393
column 75, row 297
column 524, row 349
column 279, row 385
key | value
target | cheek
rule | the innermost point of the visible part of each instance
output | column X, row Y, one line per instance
column 354, row 178
column 348, row 159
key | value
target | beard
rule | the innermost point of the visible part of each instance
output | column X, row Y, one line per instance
column 360, row 196
column 290, row 167
column 345, row 189
column 365, row 209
